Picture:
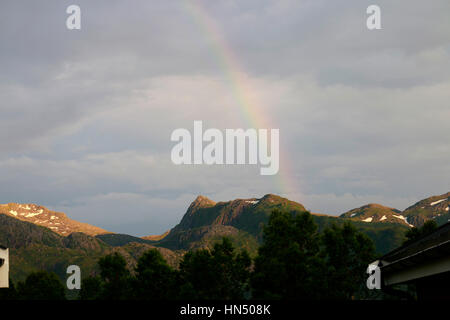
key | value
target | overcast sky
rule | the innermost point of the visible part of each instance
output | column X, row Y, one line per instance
column 86, row 115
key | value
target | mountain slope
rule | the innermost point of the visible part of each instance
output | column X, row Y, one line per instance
column 156, row 237
column 434, row 207
column 245, row 214
column 206, row 221
column 29, row 231
column 374, row 212
column 119, row 239
column 56, row 221
column 33, row 247
column 205, row 216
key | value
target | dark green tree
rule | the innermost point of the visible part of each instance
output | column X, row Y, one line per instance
column 418, row 232
column 91, row 288
column 155, row 279
column 8, row 293
column 41, row 285
column 347, row 253
column 288, row 265
column 220, row 273
column 115, row 277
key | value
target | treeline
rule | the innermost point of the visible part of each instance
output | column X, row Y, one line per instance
column 295, row 261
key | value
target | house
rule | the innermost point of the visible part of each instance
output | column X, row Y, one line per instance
column 424, row 263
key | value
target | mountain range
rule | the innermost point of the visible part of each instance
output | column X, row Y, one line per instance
column 374, row 212
column 58, row 222
column 39, row 238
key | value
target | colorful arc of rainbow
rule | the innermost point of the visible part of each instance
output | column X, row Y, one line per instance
column 241, row 88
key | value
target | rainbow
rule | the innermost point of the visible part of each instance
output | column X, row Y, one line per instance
column 242, row 90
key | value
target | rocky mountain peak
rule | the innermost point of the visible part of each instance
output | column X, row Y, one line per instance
column 58, row 222
column 201, row 202
column 432, row 208
column 374, row 212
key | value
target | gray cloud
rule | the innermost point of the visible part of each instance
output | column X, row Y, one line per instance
column 86, row 115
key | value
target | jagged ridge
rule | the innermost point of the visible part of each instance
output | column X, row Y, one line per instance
column 58, row 222
column 433, row 208
column 374, row 212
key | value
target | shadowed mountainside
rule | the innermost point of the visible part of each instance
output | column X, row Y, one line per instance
column 435, row 208
column 242, row 220
column 33, row 248
column 39, row 238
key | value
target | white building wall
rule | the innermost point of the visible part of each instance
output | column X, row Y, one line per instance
column 4, row 269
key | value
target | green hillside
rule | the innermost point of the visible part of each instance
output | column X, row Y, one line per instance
column 374, row 212
column 243, row 219
column 433, row 208
column 119, row 239
column 33, row 248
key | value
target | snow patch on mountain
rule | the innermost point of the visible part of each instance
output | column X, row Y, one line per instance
column 436, row 202
column 43, row 217
column 402, row 218
column 33, row 214
column 368, row 219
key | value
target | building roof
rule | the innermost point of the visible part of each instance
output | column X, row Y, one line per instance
column 427, row 250
column 437, row 238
